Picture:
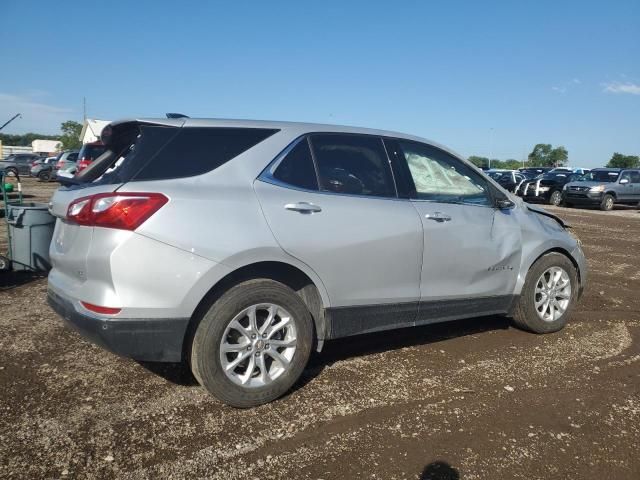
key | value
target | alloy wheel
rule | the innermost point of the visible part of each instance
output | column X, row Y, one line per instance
column 552, row 294
column 258, row 345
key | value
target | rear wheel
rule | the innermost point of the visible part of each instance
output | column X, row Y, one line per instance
column 607, row 202
column 253, row 343
column 44, row 176
column 555, row 198
column 11, row 172
column 548, row 295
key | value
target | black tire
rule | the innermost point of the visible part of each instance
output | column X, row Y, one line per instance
column 44, row 176
column 525, row 315
column 607, row 202
column 5, row 264
column 555, row 198
column 205, row 349
column 11, row 172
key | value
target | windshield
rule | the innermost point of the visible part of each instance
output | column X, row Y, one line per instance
column 556, row 176
column 600, row 176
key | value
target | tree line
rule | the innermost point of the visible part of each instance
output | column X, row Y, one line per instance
column 545, row 155
column 70, row 137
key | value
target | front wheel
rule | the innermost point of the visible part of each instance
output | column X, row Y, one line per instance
column 607, row 203
column 555, row 199
column 5, row 264
column 548, row 295
column 252, row 344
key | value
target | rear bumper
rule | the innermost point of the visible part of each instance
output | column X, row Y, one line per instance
column 153, row 340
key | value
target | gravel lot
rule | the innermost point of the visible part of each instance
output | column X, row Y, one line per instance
column 469, row 399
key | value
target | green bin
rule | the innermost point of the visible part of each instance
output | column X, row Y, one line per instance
column 31, row 227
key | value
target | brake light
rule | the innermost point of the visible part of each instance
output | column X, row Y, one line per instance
column 99, row 309
column 84, row 163
column 60, row 164
column 124, row 211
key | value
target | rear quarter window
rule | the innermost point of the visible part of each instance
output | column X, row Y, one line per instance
column 194, row 151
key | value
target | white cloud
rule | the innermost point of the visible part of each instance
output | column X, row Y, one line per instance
column 618, row 87
column 566, row 86
column 36, row 116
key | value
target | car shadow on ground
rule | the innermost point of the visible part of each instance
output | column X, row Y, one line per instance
column 356, row 346
column 439, row 470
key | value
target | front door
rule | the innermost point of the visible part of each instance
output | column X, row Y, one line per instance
column 471, row 249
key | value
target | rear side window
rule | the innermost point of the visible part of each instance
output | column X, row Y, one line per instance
column 194, row 151
column 297, row 168
column 353, row 164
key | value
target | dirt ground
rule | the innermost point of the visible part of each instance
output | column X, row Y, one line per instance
column 470, row 399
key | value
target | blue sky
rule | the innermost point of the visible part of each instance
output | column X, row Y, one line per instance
column 560, row 72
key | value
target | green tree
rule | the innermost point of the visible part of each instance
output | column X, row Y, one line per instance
column 619, row 160
column 480, row 162
column 544, row 155
column 70, row 137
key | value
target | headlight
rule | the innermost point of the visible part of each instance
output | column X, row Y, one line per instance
column 599, row 188
column 544, row 189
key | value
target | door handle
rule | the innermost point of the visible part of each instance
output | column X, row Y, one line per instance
column 438, row 217
column 303, row 207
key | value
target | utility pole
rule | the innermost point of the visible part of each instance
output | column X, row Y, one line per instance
column 490, row 145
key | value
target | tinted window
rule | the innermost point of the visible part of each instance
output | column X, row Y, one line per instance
column 440, row 177
column 635, row 177
column 601, row 176
column 353, row 164
column 194, row 151
column 297, row 168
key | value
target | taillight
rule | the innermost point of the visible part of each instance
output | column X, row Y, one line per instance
column 125, row 211
column 100, row 309
column 34, row 164
column 82, row 164
column 60, row 164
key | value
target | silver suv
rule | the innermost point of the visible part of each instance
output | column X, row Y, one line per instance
column 241, row 246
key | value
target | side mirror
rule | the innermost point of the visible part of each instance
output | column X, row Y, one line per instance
column 624, row 181
column 504, row 204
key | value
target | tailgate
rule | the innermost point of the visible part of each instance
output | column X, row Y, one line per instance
column 71, row 242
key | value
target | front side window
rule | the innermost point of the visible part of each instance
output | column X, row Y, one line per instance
column 635, row 177
column 296, row 169
column 439, row 176
column 625, row 176
column 353, row 164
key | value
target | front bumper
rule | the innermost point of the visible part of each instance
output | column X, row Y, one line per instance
column 586, row 198
column 153, row 340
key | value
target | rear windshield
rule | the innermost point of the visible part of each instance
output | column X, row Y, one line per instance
column 160, row 153
column 88, row 151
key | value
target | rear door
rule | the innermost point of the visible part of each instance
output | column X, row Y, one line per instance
column 635, row 182
column 338, row 212
column 471, row 250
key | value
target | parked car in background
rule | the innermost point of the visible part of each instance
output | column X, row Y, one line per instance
column 66, row 158
column 44, row 170
column 88, row 153
column 19, row 163
column 604, row 187
column 547, row 188
column 510, row 180
column 310, row 233
column 533, row 172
